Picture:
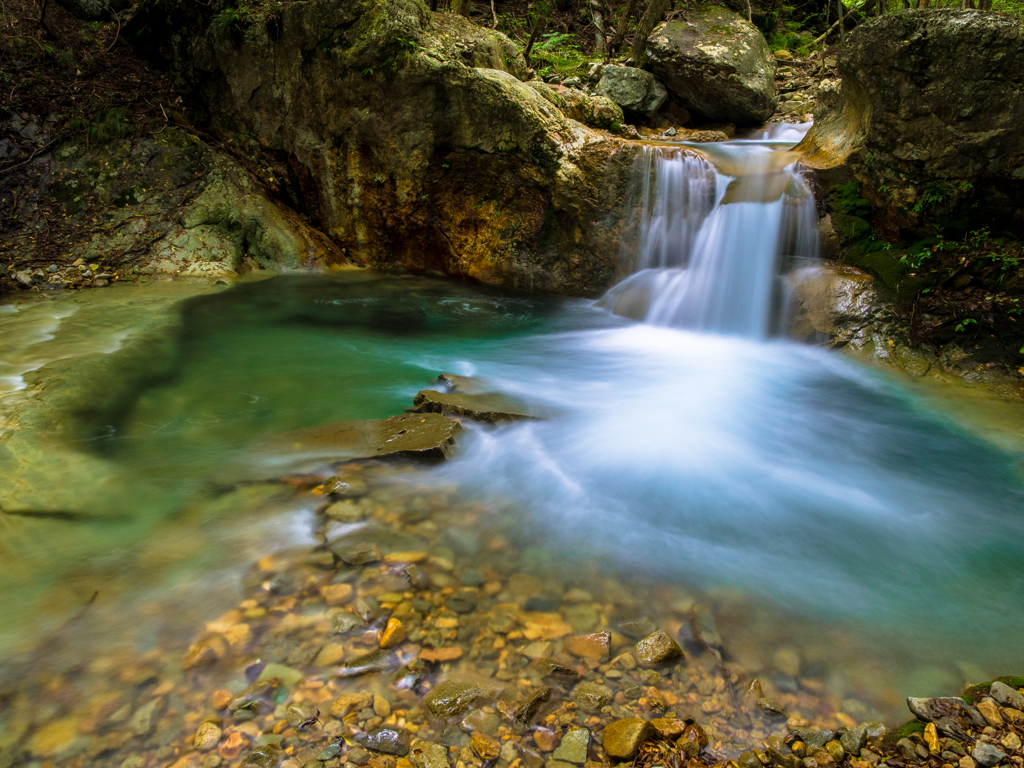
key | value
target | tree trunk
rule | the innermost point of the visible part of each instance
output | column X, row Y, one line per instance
column 620, row 33
column 538, row 25
column 463, row 7
column 652, row 15
column 600, row 37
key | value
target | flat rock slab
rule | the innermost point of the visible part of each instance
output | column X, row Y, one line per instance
column 417, row 435
column 488, row 407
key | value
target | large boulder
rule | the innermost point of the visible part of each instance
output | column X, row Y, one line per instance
column 405, row 135
column 636, row 91
column 929, row 112
column 715, row 64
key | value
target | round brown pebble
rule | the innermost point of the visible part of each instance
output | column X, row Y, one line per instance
column 207, row 736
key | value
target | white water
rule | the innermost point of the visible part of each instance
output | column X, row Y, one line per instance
column 717, row 224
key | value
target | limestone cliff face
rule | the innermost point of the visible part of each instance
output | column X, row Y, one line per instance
column 406, row 136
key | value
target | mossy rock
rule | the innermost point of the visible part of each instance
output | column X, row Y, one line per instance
column 905, row 731
column 972, row 694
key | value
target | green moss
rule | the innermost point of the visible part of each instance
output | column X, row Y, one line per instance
column 975, row 693
column 905, row 731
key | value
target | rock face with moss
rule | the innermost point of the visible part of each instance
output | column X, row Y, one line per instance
column 930, row 105
column 404, row 135
column 716, row 64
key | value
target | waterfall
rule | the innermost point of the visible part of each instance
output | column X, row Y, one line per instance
column 716, row 225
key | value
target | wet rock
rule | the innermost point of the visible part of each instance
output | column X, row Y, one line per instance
column 340, row 488
column 142, row 721
column 656, row 648
column 464, row 601
column 390, row 741
column 543, row 603
column 1007, row 696
column 381, row 660
column 452, row 698
column 285, row 675
column 256, row 699
column 987, row 754
column 425, row 436
column 530, row 708
column 771, row 707
column 693, row 740
column 329, row 752
column 705, row 620
column 416, row 577
column 638, row 92
column 812, row 738
column 951, row 715
column 54, row 738
column 266, row 756
column 595, row 646
column 346, row 621
column 590, row 696
column 427, row 754
column 393, row 634
column 623, row 738
column 207, row 736
column 554, row 672
column 637, row 630
column 787, row 661
column 573, row 747
column 716, row 64
column 444, row 653
column 854, row 740
column 472, row 577
column 486, row 747
column 490, row 407
column 350, row 702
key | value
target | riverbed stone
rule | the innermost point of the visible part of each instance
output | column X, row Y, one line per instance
column 490, row 407
column 716, row 64
column 428, row 754
column 951, row 714
column 207, row 736
column 623, row 738
column 573, row 747
column 1007, row 696
column 987, row 754
column 591, row 696
column 657, row 648
column 389, row 740
column 380, row 660
column 453, row 698
column 854, row 740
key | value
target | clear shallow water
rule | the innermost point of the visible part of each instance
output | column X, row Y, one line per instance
column 830, row 497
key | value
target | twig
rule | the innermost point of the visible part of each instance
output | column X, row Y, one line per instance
column 827, row 32
column 717, row 657
column 26, row 162
column 117, row 33
column 494, row 13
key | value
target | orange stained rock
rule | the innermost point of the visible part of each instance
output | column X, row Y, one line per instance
column 595, row 646
column 221, row 699
column 392, row 634
column 232, row 746
column 446, row 653
column 546, row 627
column 337, row 594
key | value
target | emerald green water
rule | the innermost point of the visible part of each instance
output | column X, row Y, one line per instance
column 822, row 494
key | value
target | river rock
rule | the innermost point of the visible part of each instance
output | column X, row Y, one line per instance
column 656, row 648
column 595, row 111
column 853, row 740
column 489, row 407
column 951, row 714
column 427, row 754
column 453, row 698
column 390, row 741
column 530, row 708
column 959, row 137
column 591, row 696
column 1007, row 696
column 987, row 754
column 573, row 747
column 623, row 738
column 813, row 738
column 716, row 64
column 638, row 92
column 207, row 736
column 380, row 660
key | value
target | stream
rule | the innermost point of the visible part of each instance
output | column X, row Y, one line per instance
column 855, row 537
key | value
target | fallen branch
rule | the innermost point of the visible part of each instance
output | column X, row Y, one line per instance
column 31, row 157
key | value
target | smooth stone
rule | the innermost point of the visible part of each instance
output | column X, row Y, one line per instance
column 142, row 721
column 951, row 714
column 573, row 748
column 453, row 698
column 590, row 696
column 373, row 662
column 463, row 602
column 472, row 577
column 350, row 702
column 543, row 603
column 340, row 488
column 329, row 752
column 637, row 630
column 427, row 754
column 623, row 738
column 346, row 621
column 987, row 754
column 207, row 736
column 1007, row 696
column 529, row 709
column 486, row 747
column 657, row 648
column 813, row 738
column 390, row 741
column 480, row 721
column 286, row 675
column 267, row 756
column 771, row 707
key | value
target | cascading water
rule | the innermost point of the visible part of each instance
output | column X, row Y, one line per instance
column 716, row 224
